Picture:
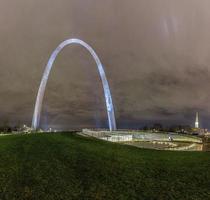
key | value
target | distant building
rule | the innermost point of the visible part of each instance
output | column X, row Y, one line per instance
column 197, row 130
column 25, row 129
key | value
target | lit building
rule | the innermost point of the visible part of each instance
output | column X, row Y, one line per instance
column 118, row 138
column 197, row 130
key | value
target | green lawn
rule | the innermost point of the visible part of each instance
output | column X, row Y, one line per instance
column 68, row 166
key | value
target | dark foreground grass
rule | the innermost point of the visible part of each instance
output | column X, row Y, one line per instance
column 68, row 166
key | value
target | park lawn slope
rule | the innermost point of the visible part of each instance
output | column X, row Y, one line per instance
column 69, row 166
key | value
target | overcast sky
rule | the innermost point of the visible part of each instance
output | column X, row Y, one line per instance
column 156, row 55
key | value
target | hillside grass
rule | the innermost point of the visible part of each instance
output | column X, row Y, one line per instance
column 69, row 166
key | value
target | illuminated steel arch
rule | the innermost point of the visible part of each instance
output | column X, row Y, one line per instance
column 42, row 87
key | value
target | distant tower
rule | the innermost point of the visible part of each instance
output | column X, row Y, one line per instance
column 196, row 121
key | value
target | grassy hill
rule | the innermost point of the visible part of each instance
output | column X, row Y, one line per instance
column 68, row 166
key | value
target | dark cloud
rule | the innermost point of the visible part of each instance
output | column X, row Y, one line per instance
column 156, row 55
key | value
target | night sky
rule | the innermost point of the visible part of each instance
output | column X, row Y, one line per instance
column 156, row 55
